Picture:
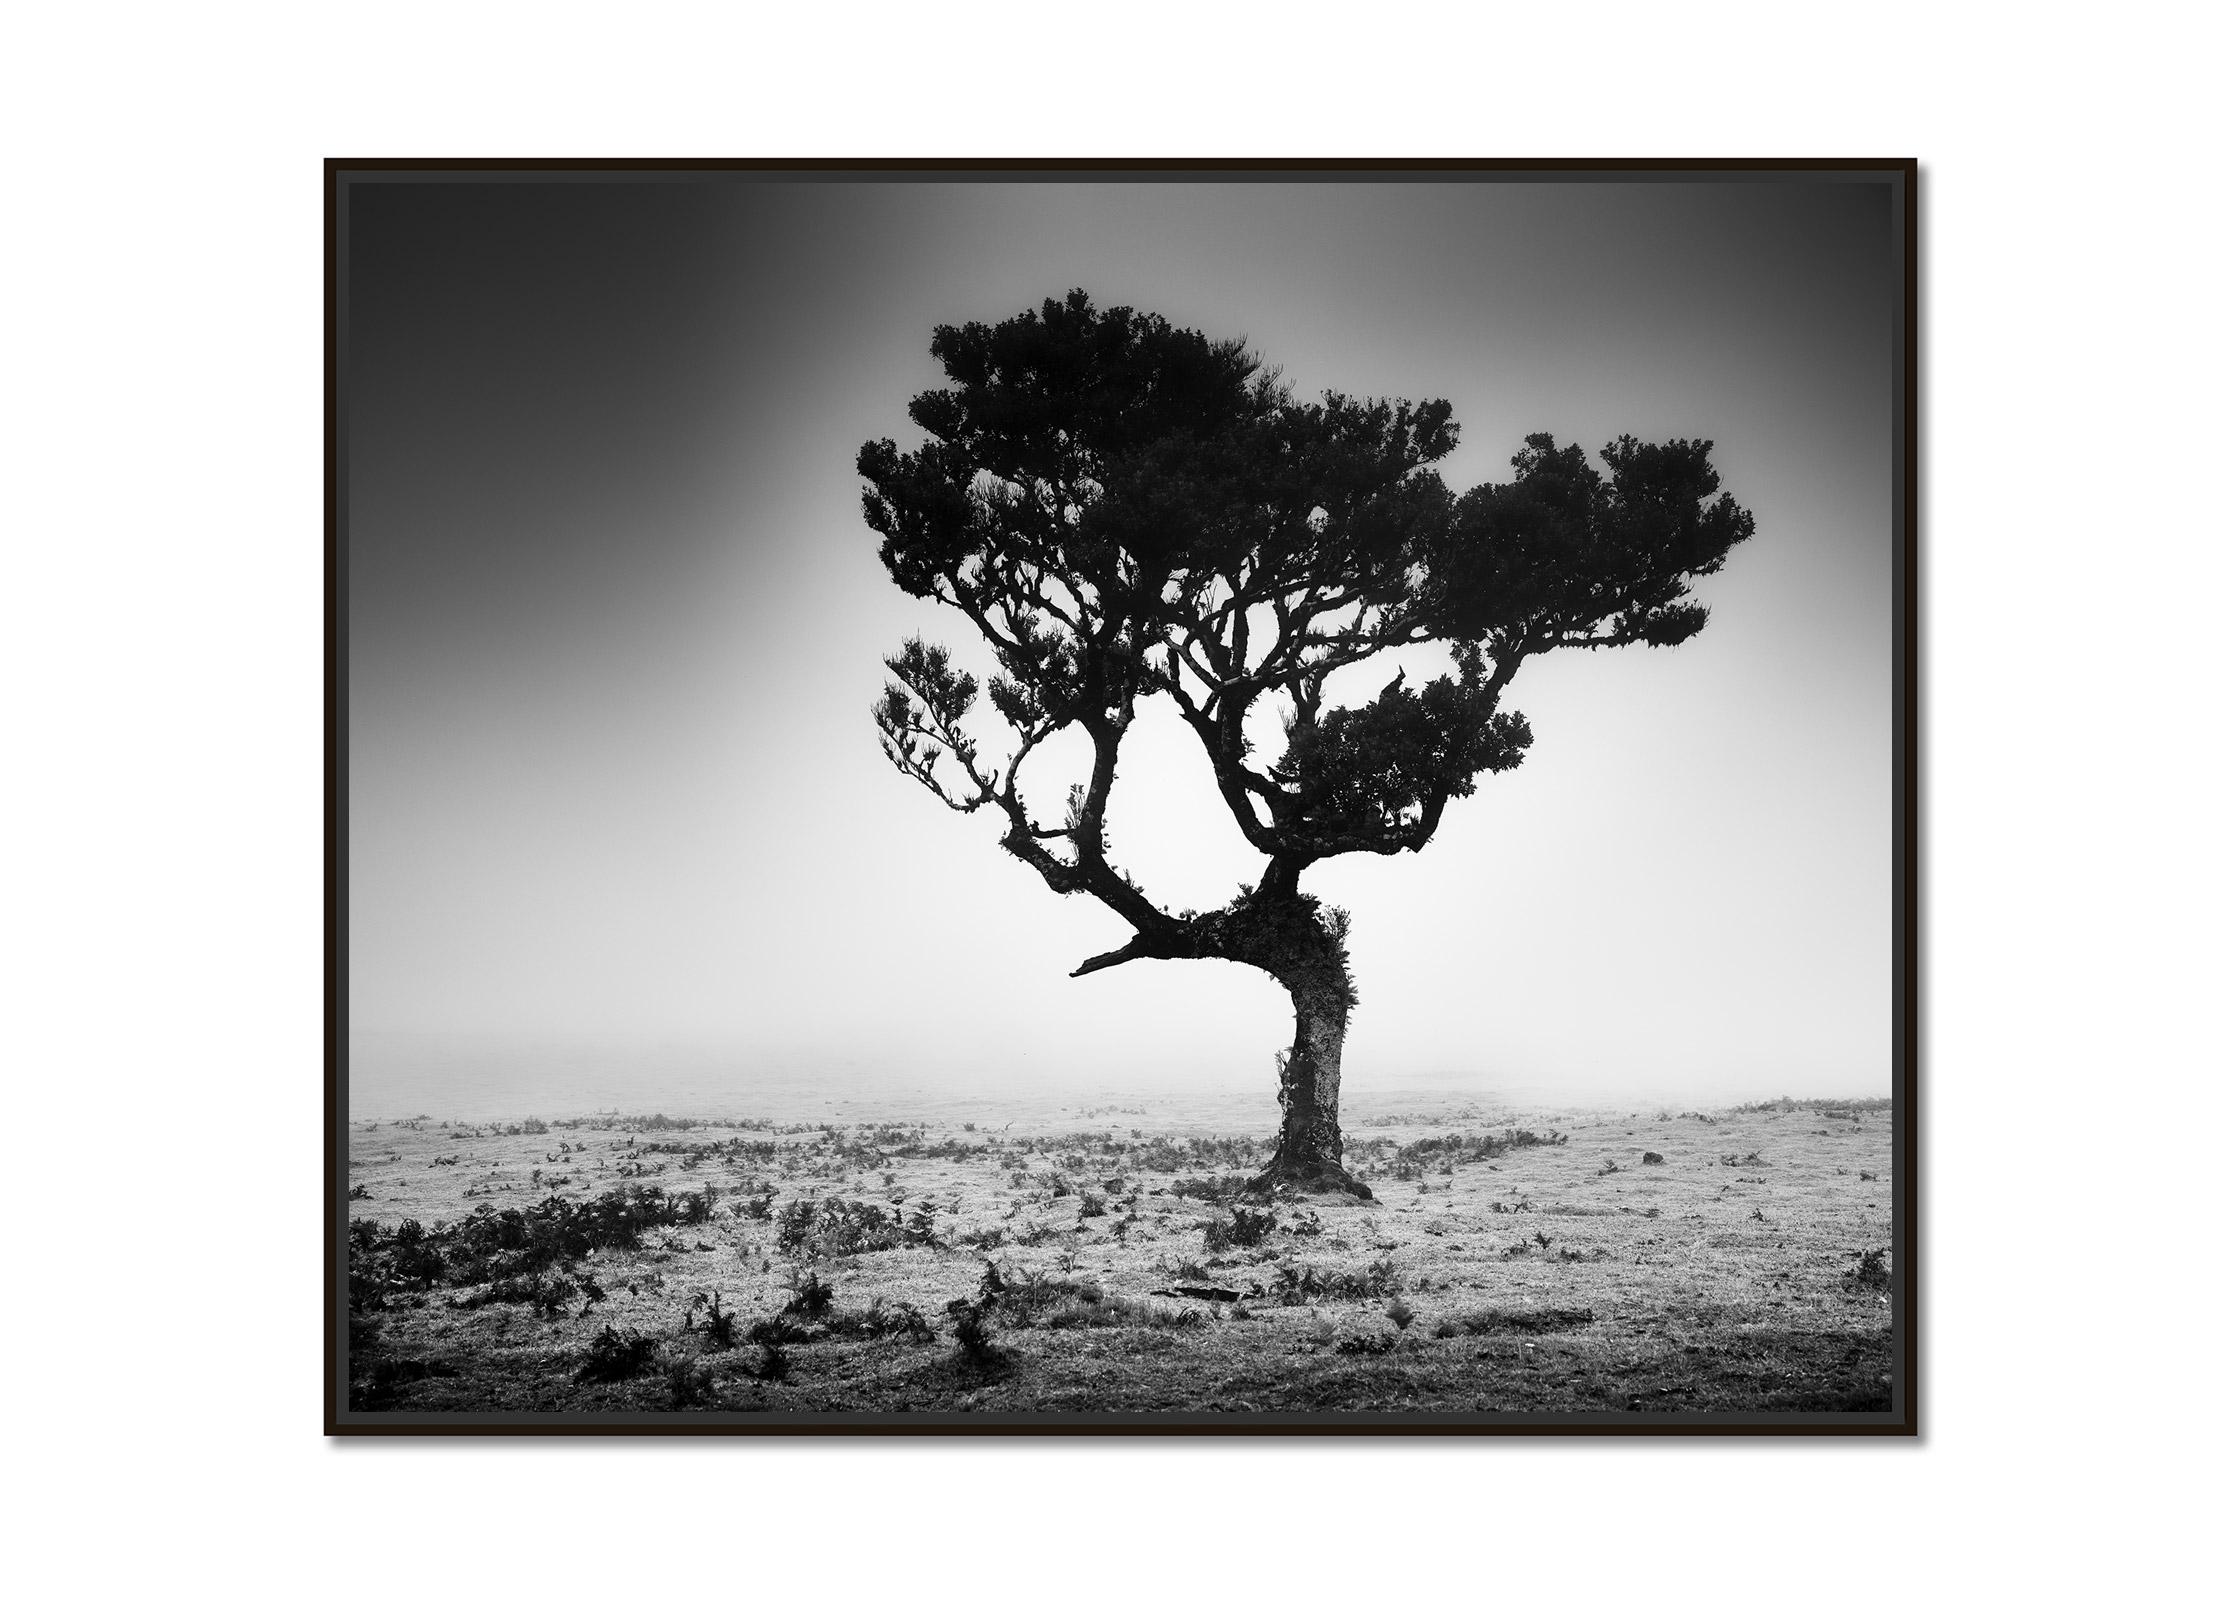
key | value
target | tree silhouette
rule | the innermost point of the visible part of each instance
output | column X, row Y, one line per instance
column 1126, row 509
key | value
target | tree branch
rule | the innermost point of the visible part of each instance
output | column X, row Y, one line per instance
column 1136, row 949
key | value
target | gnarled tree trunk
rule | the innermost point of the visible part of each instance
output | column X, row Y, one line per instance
column 1301, row 944
column 1309, row 1149
column 1293, row 939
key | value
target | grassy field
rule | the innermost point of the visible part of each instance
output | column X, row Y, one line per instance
column 1103, row 1259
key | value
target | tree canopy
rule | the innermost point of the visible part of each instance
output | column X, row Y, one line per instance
column 1126, row 509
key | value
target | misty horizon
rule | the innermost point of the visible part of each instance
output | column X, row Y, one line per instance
column 504, row 1077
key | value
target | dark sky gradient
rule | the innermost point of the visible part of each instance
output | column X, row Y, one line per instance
column 615, row 626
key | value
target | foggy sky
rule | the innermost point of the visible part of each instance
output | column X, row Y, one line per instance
column 615, row 626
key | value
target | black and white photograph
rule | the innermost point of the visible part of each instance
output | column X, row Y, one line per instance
column 1080, row 798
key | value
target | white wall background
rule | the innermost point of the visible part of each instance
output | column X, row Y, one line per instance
column 159, row 651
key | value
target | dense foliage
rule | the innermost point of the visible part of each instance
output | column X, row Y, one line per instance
column 1126, row 509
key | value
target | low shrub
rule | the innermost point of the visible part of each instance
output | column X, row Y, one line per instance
column 1026, row 1297
column 880, row 1320
column 722, row 1327
column 1825, row 1107
column 976, row 1345
column 812, row 1298
column 1490, row 1320
column 836, row 1227
column 769, row 1331
column 1215, row 1190
column 1463, row 1147
column 1295, row 1286
column 1241, row 1229
column 1114, row 1311
column 688, row 1382
column 615, row 1356
column 549, row 1292
column 902, row 1320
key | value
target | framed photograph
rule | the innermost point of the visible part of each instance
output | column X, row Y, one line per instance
column 1097, row 798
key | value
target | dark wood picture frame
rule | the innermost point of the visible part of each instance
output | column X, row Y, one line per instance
column 1903, row 1418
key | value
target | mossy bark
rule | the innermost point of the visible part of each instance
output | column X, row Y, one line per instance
column 1300, row 943
column 1310, row 1150
column 1293, row 939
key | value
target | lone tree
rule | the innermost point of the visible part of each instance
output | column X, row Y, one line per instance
column 1126, row 509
